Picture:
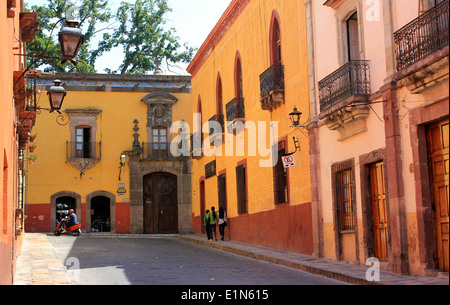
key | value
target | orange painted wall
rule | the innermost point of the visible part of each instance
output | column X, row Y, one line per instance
column 244, row 29
column 9, row 245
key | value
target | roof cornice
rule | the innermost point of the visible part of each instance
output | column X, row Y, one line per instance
column 228, row 18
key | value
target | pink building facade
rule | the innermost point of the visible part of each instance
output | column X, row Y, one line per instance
column 379, row 132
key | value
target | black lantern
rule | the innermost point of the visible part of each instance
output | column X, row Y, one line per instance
column 70, row 38
column 56, row 96
column 295, row 117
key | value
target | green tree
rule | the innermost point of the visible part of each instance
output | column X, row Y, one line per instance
column 138, row 29
column 145, row 41
column 90, row 14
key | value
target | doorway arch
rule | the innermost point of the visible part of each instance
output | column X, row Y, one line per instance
column 96, row 200
column 64, row 196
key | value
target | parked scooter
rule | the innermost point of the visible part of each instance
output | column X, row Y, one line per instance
column 73, row 230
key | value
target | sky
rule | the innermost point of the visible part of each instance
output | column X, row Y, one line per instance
column 192, row 19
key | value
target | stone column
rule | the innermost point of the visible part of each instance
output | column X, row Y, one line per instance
column 398, row 256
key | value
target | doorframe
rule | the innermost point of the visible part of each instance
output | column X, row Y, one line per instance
column 419, row 118
column 112, row 209
column 365, row 161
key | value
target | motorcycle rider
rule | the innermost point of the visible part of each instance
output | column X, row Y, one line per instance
column 70, row 220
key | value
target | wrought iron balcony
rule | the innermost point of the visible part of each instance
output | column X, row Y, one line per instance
column 219, row 119
column 76, row 151
column 423, row 36
column 272, row 87
column 352, row 79
column 197, row 145
column 235, row 109
column 157, row 151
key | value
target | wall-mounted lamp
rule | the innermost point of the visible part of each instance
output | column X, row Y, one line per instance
column 56, row 96
column 123, row 161
column 70, row 38
column 295, row 117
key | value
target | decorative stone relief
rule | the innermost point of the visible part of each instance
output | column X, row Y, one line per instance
column 349, row 121
column 159, row 109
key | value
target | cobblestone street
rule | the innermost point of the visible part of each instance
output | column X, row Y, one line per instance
column 153, row 261
column 180, row 260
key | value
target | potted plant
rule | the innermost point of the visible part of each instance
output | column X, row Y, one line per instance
column 32, row 147
column 32, row 158
column 33, row 137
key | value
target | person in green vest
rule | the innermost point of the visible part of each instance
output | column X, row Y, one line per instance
column 212, row 223
column 207, row 225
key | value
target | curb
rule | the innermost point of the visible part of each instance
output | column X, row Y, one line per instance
column 295, row 265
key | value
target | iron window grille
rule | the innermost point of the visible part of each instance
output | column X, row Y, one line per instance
column 280, row 176
column 241, row 187
column 344, row 195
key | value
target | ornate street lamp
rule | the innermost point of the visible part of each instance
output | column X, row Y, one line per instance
column 295, row 116
column 56, row 96
column 70, row 38
column 123, row 161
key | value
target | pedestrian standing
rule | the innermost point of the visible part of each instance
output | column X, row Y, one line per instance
column 207, row 225
column 212, row 223
column 222, row 222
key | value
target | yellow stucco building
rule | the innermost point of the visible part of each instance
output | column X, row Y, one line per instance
column 252, row 71
column 78, row 155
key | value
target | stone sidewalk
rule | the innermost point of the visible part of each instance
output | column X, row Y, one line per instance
column 341, row 271
column 38, row 263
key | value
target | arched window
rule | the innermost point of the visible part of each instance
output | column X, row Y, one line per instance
column 219, row 97
column 275, row 40
column 238, row 77
column 199, row 111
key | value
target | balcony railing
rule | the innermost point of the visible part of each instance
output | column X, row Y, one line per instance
column 157, row 151
column 272, row 79
column 197, row 145
column 219, row 119
column 75, row 150
column 352, row 79
column 236, row 109
column 423, row 36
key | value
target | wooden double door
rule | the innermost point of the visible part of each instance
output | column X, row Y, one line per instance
column 438, row 161
column 160, row 203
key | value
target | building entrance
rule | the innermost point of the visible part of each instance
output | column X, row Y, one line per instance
column 63, row 205
column 100, row 214
column 160, row 203
column 438, row 152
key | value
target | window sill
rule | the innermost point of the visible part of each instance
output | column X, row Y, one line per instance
column 348, row 231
